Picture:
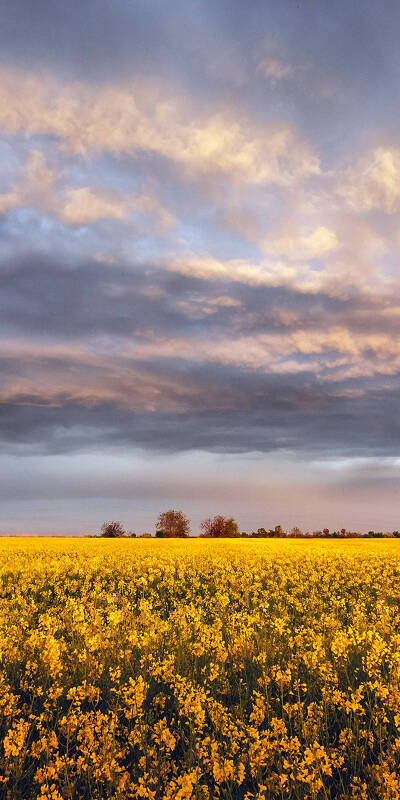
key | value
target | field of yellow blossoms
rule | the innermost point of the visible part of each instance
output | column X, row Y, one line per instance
column 173, row 670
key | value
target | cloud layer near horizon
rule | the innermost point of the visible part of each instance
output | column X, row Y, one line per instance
column 199, row 214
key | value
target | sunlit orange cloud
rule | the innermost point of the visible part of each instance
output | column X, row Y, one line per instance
column 333, row 279
column 82, row 119
column 155, row 119
column 373, row 182
column 40, row 186
column 84, row 374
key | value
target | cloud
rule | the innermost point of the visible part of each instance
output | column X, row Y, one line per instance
column 374, row 182
column 83, row 206
column 142, row 312
column 301, row 277
column 313, row 244
column 83, row 119
column 42, row 187
column 274, row 69
column 200, row 248
column 39, row 186
column 35, row 185
column 219, row 409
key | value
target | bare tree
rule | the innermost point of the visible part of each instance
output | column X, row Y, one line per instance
column 213, row 527
column 112, row 530
column 219, row 527
column 173, row 523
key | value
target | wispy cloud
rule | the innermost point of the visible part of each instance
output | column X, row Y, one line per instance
column 274, row 69
column 374, row 181
column 155, row 120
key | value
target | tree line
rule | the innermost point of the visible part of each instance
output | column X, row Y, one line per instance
column 173, row 524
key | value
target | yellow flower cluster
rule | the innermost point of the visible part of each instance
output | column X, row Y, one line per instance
column 199, row 670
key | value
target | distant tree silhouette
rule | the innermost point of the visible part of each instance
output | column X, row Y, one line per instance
column 213, row 526
column 219, row 527
column 272, row 533
column 173, row 523
column 112, row 530
column 231, row 528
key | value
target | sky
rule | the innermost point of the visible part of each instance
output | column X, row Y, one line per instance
column 199, row 256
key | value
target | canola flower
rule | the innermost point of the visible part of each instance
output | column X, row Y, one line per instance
column 180, row 670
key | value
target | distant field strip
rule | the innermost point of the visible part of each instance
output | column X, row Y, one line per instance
column 172, row 670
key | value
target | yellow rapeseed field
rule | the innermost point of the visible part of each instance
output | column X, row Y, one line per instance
column 173, row 670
